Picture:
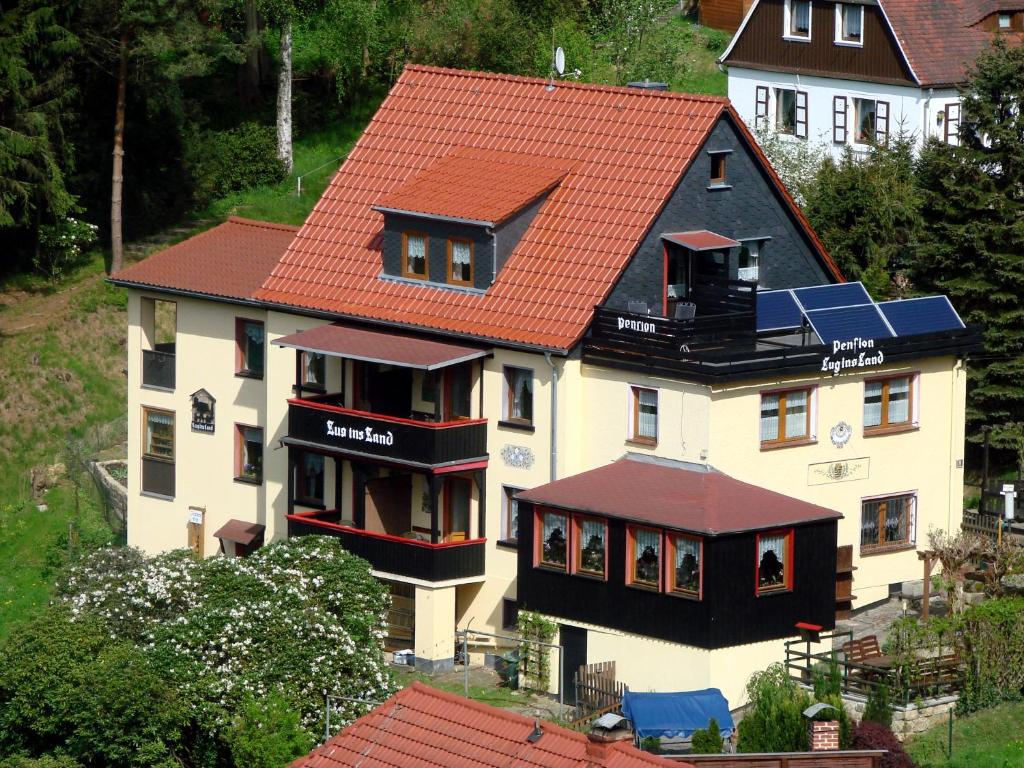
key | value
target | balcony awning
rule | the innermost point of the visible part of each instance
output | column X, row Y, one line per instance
column 240, row 532
column 700, row 240
column 380, row 347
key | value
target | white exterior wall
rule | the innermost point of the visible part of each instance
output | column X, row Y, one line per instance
column 911, row 109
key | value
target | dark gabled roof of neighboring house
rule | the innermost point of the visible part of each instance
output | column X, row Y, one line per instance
column 422, row 727
column 229, row 261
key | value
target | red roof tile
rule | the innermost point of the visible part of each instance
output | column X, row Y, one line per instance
column 625, row 148
column 478, row 185
column 422, row 727
column 701, row 240
column 231, row 260
column 676, row 495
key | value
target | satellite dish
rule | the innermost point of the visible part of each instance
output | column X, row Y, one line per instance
column 559, row 60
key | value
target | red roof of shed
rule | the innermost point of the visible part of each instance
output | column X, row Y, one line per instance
column 422, row 727
column 231, row 260
column 701, row 240
column 625, row 148
column 688, row 497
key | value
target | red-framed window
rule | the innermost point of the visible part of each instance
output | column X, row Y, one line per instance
column 250, row 348
column 249, row 453
column 685, row 564
column 773, row 563
column 590, row 546
column 643, row 556
column 552, row 539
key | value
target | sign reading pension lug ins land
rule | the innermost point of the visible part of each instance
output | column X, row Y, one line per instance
column 402, row 440
column 852, row 354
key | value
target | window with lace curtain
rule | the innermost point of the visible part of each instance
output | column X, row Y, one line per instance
column 552, row 539
column 460, row 262
column 786, row 417
column 518, row 395
column 774, row 565
column 888, row 404
column 414, row 255
column 643, row 560
column 686, row 557
column 590, row 545
column 798, row 19
column 887, row 522
column 249, row 344
column 644, row 416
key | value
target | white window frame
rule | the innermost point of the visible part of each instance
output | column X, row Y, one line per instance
column 754, row 245
column 1009, row 22
column 787, row 22
column 839, row 38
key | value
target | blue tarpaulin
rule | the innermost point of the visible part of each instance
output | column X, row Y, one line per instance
column 676, row 714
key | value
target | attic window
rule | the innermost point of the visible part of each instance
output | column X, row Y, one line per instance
column 798, row 20
column 460, row 262
column 1005, row 20
column 414, row 255
column 718, row 161
column 849, row 24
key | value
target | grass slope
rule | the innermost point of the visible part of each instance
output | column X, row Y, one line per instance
column 993, row 738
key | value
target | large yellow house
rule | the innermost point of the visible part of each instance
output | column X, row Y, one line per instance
column 506, row 288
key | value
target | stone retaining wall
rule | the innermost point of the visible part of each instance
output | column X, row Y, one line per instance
column 910, row 720
column 115, row 493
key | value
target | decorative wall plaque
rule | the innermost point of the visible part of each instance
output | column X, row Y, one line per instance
column 203, row 404
column 517, row 456
column 841, row 434
column 838, row 471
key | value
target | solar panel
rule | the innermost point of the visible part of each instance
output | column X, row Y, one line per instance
column 845, row 323
column 777, row 310
column 838, row 295
column 930, row 314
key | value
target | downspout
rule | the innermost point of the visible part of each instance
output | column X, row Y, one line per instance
column 554, row 416
column 494, row 253
column 926, row 131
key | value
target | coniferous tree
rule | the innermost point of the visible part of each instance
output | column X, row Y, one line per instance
column 972, row 244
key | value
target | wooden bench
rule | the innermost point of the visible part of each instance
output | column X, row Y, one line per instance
column 863, row 648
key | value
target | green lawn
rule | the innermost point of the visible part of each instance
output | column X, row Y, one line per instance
column 992, row 738
column 698, row 71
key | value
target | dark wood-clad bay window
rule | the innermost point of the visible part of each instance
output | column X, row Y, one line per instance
column 774, row 566
column 414, row 255
column 644, row 416
column 887, row 523
column 309, row 479
column 460, row 262
column 590, row 546
column 686, row 564
column 249, row 345
column 158, row 452
column 248, row 454
column 518, row 396
column 786, row 417
column 552, row 539
column 643, row 558
column 888, row 404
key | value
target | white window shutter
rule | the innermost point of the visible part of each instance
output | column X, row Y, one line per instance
column 761, row 106
column 839, row 119
column 882, row 121
column 800, row 124
column 952, row 127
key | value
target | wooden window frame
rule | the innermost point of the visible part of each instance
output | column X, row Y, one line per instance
column 241, row 359
column 509, row 372
column 911, row 524
column 719, row 169
column 449, row 481
column 809, row 438
column 841, row 39
column 670, row 570
column 146, row 410
column 884, row 427
column 451, row 264
column 406, row 272
column 634, row 415
column 302, row 498
column 538, row 540
column 788, row 17
column 578, row 544
column 240, row 475
column 787, row 573
column 631, row 558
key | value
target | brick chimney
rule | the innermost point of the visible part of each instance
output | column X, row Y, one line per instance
column 604, row 735
column 824, row 735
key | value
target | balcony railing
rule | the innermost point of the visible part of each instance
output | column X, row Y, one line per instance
column 158, row 367
column 393, row 554
column 406, row 441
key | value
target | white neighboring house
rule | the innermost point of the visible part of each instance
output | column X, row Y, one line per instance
column 840, row 74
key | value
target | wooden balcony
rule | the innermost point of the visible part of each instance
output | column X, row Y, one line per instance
column 417, row 444
column 393, row 554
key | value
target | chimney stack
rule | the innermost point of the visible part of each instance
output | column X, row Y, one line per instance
column 606, row 731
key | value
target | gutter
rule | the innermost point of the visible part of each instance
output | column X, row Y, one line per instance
column 554, row 416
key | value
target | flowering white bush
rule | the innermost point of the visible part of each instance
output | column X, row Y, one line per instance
column 297, row 617
column 61, row 245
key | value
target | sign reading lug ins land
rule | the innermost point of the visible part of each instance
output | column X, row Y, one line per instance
column 403, row 440
column 852, row 354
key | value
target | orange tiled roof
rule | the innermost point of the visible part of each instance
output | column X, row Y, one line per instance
column 477, row 185
column 230, row 261
column 626, row 150
column 422, row 727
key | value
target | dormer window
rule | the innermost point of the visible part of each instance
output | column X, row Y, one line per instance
column 1005, row 21
column 849, row 24
column 798, row 20
column 414, row 255
column 460, row 262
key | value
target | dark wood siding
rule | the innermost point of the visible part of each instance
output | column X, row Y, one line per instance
column 762, row 46
column 730, row 612
column 723, row 14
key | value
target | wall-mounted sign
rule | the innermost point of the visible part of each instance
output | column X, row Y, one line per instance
column 852, row 354
column 838, row 471
column 366, row 434
column 195, row 515
column 632, row 324
column 841, row 434
column 517, row 456
column 203, row 404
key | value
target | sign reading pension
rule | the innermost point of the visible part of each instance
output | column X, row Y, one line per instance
column 852, row 354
